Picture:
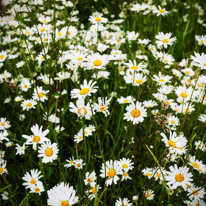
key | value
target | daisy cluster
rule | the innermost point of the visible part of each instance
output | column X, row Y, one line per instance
column 80, row 103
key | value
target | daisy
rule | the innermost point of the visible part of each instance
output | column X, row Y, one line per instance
column 90, row 178
column 48, row 151
column 201, row 39
column 28, row 104
column 81, row 109
column 160, row 11
column 202, row 118
column 149, row 194
column 70, row 162
column 178, row 177
column 175, row 143
column 139, row 79
column 20, row 150
column 40, row 94
column 161, row 79
column 135, row 112
column 125, row 100
column 199, row 60
column 79, row 137
column 188, row 71
column 163, row 40
column 3, row 56
column 97, row 60
column 150, row 103
column 31, row 178
column 78, row 164
column 126, row 164
column 111, row 170
column 183, row 93
column 4, row 123
column 133, row 66
column 200, row 145
column 45, row 79
column 172, row 122
column 123, row 202
column 3, row 168
column 92, row 192
column 148, row 172
column 86, row 90
column 125, row 176
column 132, row 35
column 71, row 32
column 97, row 19
column 25, row 84
column 102, row 105
column 3, row 135
column 38, row 187
column 38, row 136
column 62, row 194
column 196, row 193
column 197, row 164
column 52, row 118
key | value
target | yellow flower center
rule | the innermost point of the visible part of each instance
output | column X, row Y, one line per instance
column 36, row 139
column 1, row 56
column 69, row 33
column 126, row 101
column 64, row 203
column 184, row 95
column 94, row 190
column 134, row 67
column 195, row 164
column 79, row 58
column 37, row 190
column 78, row 165
column 187, row 72
column 44, row 21
column 27, row 32
column 125, row 174
column 148, row 195
column 111, row 173
column 1, row 170
column 48, row 152
column 158, row 174
column 204, row 64
column 195, row 192
column 202, row 41
column 42, row 57
column 165, row 41
column 138, row 81
column 179, row 178
column 161, row 80
column 103, row 108
column 40, row 94
column 125, row 166
column 84, row 91
column 97, row 62
column 29, row 104
column 98, row 19
column 46, row 39
column 33, row 181
column 161, row 11
column 59, row 33
column 171, row 143
column 43, row 30
column 2, row 124
column 135, row 113
column 199, row 85
column 148, row 174
column 80, row 111
column 172, row 122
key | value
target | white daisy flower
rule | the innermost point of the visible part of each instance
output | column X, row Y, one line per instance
column 62, row 194
column 163, row 40
column 135, row 112
column 111, row 171
column 178, row 177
